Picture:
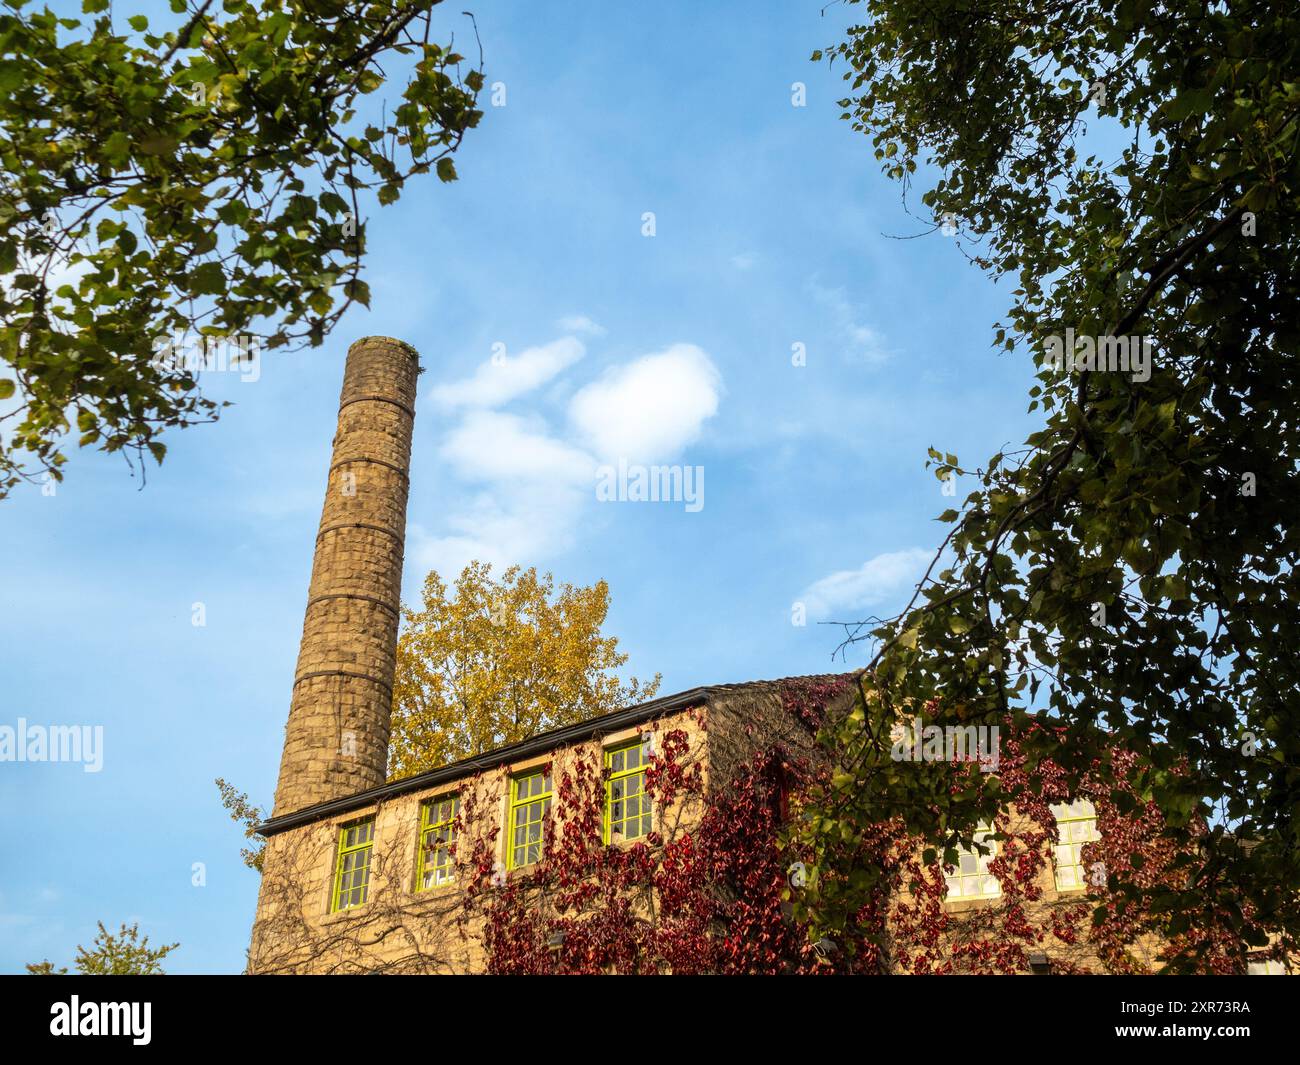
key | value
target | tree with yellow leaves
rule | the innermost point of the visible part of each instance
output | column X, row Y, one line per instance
column 498, row 662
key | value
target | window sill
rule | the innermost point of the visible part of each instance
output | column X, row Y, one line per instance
column 971, row 902
column 438, row 891
column 337, row 916
column 624, row 844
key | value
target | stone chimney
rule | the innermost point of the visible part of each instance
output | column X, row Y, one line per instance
column 336, row 742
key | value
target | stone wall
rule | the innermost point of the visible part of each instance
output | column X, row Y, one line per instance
column 336, row 740
column 745, row 719
column 401, row 929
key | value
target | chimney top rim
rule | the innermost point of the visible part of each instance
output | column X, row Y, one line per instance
column 408, row 348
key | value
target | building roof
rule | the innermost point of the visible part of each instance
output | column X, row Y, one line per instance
column 515, row 752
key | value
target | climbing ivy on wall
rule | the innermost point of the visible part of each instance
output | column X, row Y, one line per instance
column 719, row 891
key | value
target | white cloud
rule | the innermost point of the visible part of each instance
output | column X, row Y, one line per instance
column 580, row 323
column 502, row 528
column 529, row 495
column 504, row 377
column 491, row 446
column 648, row 409
column 891, row 575
column 744, row 261
column 525, row 490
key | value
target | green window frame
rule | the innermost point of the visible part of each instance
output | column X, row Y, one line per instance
column 530, row 803
column 627, row 804
column 352, row 865
column 1076, row 825
column 970, row 878
column 438, row 827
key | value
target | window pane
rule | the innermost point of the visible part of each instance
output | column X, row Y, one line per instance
column 439, row 834
column 352, row 865
column 1076, row 824
column 971, row 877
column 527, row 817
column 626, row 810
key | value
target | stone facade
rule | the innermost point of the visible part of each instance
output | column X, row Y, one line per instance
column 403, row 927
column 332, row 773
column 336, row 741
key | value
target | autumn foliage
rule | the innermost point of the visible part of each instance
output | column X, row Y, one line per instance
column 712, row 892
column 495, row 661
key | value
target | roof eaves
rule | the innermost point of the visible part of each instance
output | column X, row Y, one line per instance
column 514, row 752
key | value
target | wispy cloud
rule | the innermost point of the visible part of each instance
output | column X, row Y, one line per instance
column 527, row 526
column 884, row 579
column 580, row 323
column 491, row 446
column 505, row 377
column 860, row 342
column 526, row 487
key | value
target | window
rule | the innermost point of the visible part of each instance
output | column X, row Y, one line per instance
column 971, row 878
column 437, row 836
column 1257, row 966
column 1076, row 824
column 352, row 868
column 627, row 806
column 530, row 802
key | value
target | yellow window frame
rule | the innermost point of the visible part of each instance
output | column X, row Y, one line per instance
column 529, row 808
column 978, row 875
column 438, row 830
column 1072, row 831
column 352, row 863
column 618, row 776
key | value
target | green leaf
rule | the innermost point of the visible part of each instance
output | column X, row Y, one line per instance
column 359, row 291
column 207, row 278
column 117, row 148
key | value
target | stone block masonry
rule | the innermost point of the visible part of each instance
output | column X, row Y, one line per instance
column 336, row 741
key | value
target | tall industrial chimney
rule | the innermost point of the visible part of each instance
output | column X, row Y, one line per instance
column 336, row 742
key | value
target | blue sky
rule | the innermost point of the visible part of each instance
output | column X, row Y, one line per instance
column 772, row 229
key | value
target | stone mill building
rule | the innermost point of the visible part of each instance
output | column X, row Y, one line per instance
column 357, row 871
column 365, row 874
